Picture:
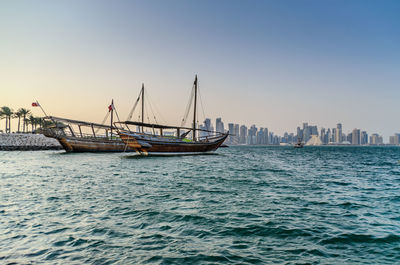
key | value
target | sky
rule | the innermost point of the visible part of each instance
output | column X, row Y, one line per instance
column 274, row 64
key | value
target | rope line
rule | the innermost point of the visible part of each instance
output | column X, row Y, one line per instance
column 188, row 107
column 134, row 107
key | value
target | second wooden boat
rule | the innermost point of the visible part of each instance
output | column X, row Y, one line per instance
column 155, row 138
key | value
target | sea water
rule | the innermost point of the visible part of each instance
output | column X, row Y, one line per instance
column 240, row 205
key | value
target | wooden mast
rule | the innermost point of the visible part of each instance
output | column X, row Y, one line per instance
column 194, row 111
column 112, row 114
column 142, row 105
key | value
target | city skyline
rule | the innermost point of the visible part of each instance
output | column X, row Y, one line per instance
column 273, row 63
column 254, row 135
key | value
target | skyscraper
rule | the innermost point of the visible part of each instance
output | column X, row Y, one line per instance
column 375, row 139
column 206, row 126
column 364, row 137
column 299, row 134
column 306, row 132
column 266, row 136
column 237, row 134
column 313, row 130
column 323, row 136
column 219, row 125
column 338, row 133
column 231, row 133
column 243, row 134
column 333, row 138
column 252, row 135
column 355, row 136
column 260, row 136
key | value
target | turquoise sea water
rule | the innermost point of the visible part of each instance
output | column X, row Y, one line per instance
column 241, row 205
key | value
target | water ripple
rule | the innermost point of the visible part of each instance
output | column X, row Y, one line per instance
column 245, row 205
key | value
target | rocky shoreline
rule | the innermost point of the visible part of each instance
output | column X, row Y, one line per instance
column 27, row 142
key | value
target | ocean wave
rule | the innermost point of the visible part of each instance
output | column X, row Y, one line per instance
column 351, row 238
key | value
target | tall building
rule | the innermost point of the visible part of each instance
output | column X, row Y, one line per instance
column 219, row 125
column 299, row 133
column 355, row 137
column 349, row 138
column 243, row 134
column 364, row 137
column 205, row 126
column 266, row 136
column 306, row 132
column 237, row 134
column 328, row 136
column 292, row 139
column 252, row 135
column 338, row 133
column 395, row 139
column 231, row 128
column 323, row 135
column 375, row 139
column 313, row 130
column 260, row 136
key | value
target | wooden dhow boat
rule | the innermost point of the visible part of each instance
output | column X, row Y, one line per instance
column 82, row 136
column 164, row 139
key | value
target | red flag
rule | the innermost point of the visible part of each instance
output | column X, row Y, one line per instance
column 111, row 107
column 35, row 104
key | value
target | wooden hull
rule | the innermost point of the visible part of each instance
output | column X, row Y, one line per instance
column 165, row 145
column 75, row 144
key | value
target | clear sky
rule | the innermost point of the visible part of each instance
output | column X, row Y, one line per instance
column 275, row 64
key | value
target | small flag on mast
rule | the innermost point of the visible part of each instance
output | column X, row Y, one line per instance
column 111, row 107
column 35, row 104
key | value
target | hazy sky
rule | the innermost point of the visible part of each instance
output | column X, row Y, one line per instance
column 275, row 64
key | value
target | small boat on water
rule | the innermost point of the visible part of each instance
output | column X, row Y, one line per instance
column 159, row 139
column 299, row 144
column 82, row 136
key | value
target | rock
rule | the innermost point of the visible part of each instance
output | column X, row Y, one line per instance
column 27, row 142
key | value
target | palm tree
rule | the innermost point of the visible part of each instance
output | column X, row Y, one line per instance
column 34, row 121
column 18, row 115
column 39, row 122
column 7, row 112
column 24, row 113
column 2, row 116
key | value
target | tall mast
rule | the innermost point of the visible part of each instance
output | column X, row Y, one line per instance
column 195, row 106
column 142, row 104
column 112, row 114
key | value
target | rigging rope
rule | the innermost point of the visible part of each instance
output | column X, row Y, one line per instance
column 188, row 107
column 117, row 114
column 134, row 107
column 202, row 108
column 104, row 120
column 156, row 110
column 147, row 112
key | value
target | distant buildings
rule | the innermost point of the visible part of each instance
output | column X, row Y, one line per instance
column 219, row 125
column 309, row 134
column 355, row 137
column 375, row 139
column 395, row 139
column 364, row 138
column 338, row 137
column 243, row 134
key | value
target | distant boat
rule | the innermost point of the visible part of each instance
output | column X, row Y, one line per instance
column 299, row 143
column 82, row 136
column 155, row 138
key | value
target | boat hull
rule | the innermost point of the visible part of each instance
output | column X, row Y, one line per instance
column 160, row 145
column 93, row 145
